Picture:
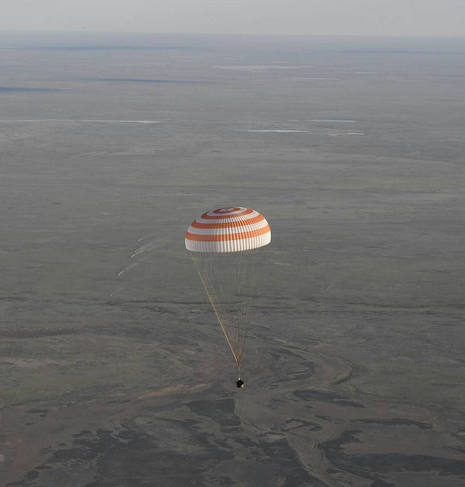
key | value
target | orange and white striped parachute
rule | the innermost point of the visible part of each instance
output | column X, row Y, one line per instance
column 230, row 229
column 225, row 245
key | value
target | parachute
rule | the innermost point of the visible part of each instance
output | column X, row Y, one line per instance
column 225, row 246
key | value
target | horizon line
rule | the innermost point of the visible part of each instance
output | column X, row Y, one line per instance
column 229, row 34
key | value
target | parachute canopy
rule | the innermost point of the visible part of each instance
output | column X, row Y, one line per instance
column 229, row 229
column 225, row 247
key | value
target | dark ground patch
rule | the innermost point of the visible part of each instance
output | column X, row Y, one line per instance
column 280, row 457
column 374, row 465
column 394, row 422
column 294, row 424
column 221, row 411
column 332, row 397
column 132, row 456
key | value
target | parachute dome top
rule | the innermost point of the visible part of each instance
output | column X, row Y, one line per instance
column 228, row 229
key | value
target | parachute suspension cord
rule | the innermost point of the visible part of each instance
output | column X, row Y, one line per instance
column 213, row 303
column 230, row 280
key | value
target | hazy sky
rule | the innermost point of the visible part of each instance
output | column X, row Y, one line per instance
column 309, row 17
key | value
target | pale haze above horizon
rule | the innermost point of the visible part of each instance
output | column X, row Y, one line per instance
column 409, row 18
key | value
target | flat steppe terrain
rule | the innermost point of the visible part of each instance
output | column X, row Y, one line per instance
column 113, row 369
